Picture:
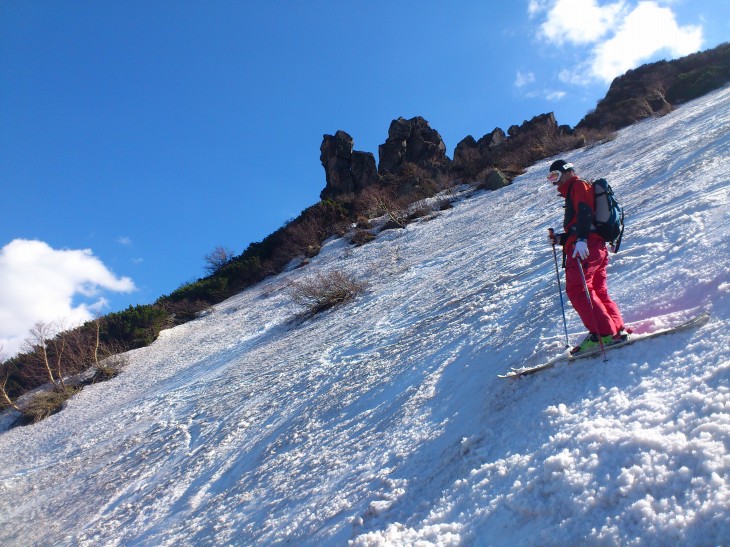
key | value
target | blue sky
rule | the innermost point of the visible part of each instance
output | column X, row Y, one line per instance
column 137, row 136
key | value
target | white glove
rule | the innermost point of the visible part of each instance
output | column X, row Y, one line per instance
column 581, row 249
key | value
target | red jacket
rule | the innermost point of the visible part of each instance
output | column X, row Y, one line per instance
column 580, row 206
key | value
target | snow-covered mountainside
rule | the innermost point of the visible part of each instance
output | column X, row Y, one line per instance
column 383, row 421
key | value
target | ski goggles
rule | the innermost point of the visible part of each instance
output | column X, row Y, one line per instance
column 554, row 176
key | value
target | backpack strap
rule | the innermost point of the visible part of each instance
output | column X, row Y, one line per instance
column 617, row 243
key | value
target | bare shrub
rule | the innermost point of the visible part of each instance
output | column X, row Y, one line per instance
column 323, row 291
column 309, row 232
column 5, row 373
column 36, row 346
column 46, row 403
column 445, row 183
column 109, row 368
column 421, row 210
column 377, row 201
column 361, row 237
column 363, row 223
column 597, row 136
column 184, row 310
column 216, row 259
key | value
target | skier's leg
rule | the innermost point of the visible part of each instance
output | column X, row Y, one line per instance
column 603, row 321
column 600, row 288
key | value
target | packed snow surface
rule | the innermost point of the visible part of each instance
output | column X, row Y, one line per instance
column 383, row 422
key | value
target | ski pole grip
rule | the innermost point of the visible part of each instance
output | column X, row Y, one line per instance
column 551, row 232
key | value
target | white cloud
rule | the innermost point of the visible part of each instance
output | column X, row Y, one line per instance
column 623, row 35
column 580, row 75
column 524, row 79
column 535, row 7
column 124, row 240
column 646, row 31
column 555, row 95
column 580, row 21
column 39, row 283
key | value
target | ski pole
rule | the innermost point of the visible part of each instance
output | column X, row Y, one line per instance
column 560, row 288
column 593, row 311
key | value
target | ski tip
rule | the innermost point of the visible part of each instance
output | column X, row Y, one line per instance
column 704, row 317
column 516, row 373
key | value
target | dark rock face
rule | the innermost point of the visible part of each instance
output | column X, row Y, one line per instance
column 412, row 141
column 363, row 169
column 471, row 157
column 544, row 123
column 523, row 144
column 347, row 171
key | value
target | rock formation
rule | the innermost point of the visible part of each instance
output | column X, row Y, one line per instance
column 347, row 171
column 471, row 157
column 412, row 141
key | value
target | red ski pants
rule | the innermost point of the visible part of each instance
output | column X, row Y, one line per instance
column 605, row 317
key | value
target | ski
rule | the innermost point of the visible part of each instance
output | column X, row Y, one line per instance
column 695, row 321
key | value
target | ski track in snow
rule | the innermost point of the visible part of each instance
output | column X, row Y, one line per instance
column 383, row 422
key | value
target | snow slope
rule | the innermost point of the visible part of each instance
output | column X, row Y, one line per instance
column 384, row 422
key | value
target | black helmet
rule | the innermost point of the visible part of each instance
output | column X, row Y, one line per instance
column 561, row 165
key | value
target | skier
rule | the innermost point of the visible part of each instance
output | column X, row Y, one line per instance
column 600, row 315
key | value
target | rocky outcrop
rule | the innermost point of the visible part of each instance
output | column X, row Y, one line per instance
column 412, row 141
column 521, row 146
column 347, row 171
column 543, row 124
column 472, row 157
column 655, row 89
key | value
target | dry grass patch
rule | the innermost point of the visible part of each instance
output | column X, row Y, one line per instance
column 46, row 403
column 323, row 291
column 361, row 237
